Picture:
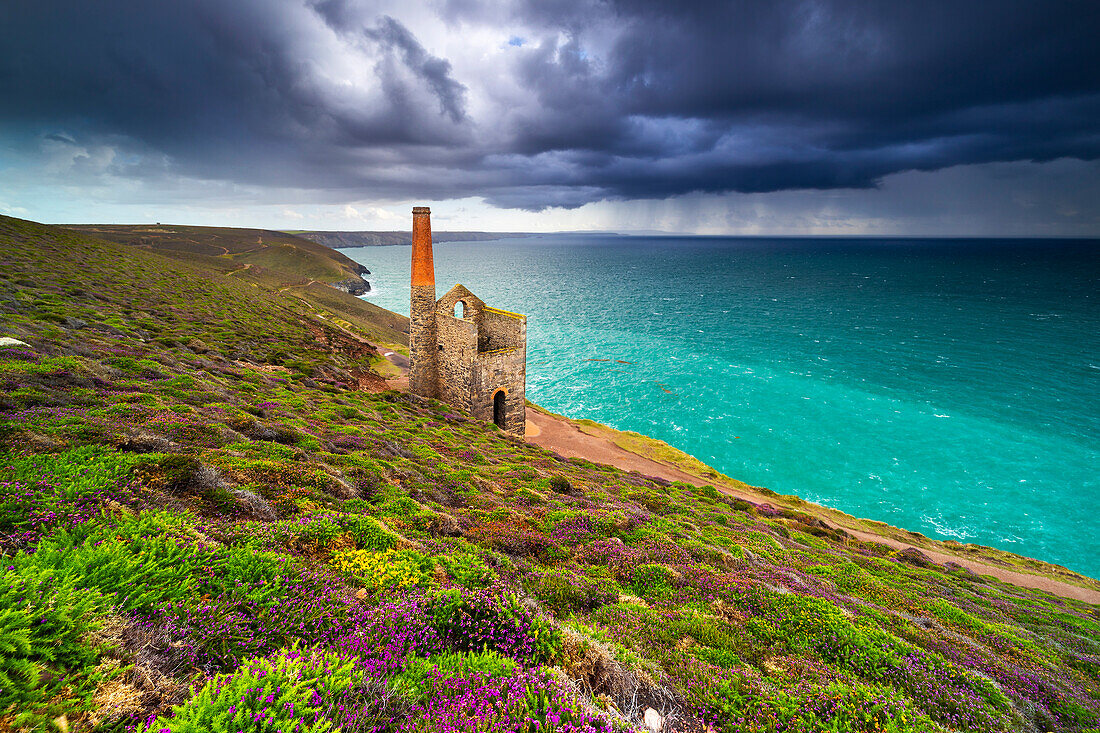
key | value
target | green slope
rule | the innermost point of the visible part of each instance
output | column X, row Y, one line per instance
column 292, row 260
column 198, row 510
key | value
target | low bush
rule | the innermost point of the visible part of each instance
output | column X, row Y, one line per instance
column 45, row 491
column 138, row 574
column 419, row 680
column 492, row 620
column 523, row 702
column 650, row 580
column 391, row 569
column 44, row 621
column 288, row 692
column 468, row 570
column 561, row 485
column 368, row 533
column 566, row 592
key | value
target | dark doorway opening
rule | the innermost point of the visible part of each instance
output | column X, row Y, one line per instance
column 498, row 409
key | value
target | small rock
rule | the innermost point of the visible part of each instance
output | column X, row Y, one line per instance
column 9, row 341
column 71, row 322
column 913, row 556
column 118, row 510
column 445, row 525
column 653, row 720
column 254, row 504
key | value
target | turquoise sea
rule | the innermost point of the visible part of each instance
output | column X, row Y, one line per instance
column 950, row 387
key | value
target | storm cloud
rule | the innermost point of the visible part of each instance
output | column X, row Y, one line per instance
column 538, row 103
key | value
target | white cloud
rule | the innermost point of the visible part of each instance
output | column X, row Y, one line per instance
column 18, row 211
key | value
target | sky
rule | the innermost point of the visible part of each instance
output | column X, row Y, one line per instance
column 931, row 118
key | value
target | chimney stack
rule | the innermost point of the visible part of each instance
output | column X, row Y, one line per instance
column 423, row 369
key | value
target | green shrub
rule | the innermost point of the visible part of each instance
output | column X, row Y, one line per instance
column 369, row 534
column 150, row 523
column 468, row 570
column 319, row 531
column 259, row 577
column 718, row 657
column 651, row 580
column 561, row 484
column 743, row 506
column 43, row 623
column 486, row 620
column 137, row 574
column 34, row 487
column 77, row 472
column 565, row 592
column 288, row 692
column 417, row 682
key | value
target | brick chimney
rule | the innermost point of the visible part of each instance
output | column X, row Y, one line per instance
column 423, row 369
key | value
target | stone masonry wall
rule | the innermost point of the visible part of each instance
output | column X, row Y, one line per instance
column 478, row 355
column 423, row 374
column 500, row 330
column 456, row 353
column 505, row 370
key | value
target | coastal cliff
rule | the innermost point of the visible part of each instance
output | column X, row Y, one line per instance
column 217, row 505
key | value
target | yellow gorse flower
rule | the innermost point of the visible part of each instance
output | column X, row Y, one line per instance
column 387, row 569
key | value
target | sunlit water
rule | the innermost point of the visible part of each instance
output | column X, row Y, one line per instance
column 948, row 387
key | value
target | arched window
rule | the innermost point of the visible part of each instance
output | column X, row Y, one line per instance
column 498, row 408
column 460, row 309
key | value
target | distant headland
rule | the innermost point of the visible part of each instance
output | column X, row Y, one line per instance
column 345, row 240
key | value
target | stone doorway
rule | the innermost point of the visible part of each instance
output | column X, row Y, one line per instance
column 498, row 409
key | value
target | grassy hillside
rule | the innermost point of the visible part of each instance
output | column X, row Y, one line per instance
column 285, row 257
column 210, row 521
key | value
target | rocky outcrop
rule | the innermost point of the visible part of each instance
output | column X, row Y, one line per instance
column 353, row 285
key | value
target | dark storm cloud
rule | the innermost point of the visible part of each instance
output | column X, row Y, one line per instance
column 241, row 91
column 794, row 94
column 612, row 99
column 435, row 71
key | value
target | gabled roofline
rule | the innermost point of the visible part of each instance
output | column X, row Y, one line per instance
column 510, row 314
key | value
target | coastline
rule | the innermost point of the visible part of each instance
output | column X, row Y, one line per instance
column 592, row 441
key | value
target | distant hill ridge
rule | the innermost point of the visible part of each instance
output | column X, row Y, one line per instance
column 344, row 240
column 295, row 260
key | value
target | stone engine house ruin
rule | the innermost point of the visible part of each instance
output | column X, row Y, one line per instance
column 462, row 351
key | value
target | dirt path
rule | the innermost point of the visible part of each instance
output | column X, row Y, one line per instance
column 290, row 287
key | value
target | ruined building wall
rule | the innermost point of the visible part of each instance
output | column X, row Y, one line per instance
column 474, row 306
column 501, row 370
column 457, row 350
column 500, row 330
column 504, row 368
